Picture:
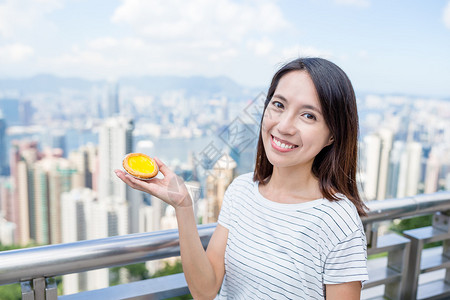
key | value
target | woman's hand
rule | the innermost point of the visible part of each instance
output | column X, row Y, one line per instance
column 171, row 189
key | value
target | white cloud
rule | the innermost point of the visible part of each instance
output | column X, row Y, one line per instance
column 112, row 58
column 446, row 16
column 363, row 54
column 191, row 37
column 304, row 51
column 358, row 3
column 14, row 53
column 103, row 43
column 19, row 16
column 199, row 19
column 260, row 47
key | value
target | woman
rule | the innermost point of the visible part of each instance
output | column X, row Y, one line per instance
column 290, row 230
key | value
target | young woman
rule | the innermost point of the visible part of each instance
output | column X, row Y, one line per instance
column 290, row 230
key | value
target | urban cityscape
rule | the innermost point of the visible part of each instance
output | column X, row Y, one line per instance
column 58, row 151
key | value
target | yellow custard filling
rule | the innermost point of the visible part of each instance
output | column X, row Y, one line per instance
column 141, row 164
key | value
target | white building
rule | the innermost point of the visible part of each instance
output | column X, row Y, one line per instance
column 377, row 150
column 85, row 217
column 409, row 173
column 372, row 149
column 7, row 232
column 115, row 141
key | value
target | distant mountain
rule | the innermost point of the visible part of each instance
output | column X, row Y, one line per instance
column 195, row 85
column 46, row 83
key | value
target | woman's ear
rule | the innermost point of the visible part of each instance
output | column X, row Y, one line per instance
column 330, row 140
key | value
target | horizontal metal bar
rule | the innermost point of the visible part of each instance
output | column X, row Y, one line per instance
column 155, row 288
column 423, row 204
column 54, row 260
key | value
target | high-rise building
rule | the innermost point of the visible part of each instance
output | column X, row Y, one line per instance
column 372, row 149
column 25, row 112
column 58, row 141
column 115, row 141
column 4, row 168
column 377, row 150
column 112, row 101
column 6, row 198
column 217, row 182
column 409, row 172
column 39, row 179
column 23, row 155
column 51, row 177
column 83, row 217
column 394, row 169
column 84, row 160
column 386, row 137
column 7, row 232
column 433, row 165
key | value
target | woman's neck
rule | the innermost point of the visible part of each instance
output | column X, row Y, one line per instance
column 291, row 186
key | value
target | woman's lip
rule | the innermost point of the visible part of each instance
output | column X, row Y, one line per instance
column 283, row 141
column 279, row 148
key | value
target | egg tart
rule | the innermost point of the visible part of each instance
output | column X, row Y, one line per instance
column 140, row 166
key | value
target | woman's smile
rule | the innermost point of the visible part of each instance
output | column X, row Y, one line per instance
column 282, row 145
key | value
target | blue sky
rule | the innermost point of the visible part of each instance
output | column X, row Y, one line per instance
column 384, row 46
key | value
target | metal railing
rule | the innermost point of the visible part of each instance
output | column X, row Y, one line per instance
column 397, row 273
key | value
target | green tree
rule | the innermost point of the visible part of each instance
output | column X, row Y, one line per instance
column 136, row 272
column 413, row 223
column 170, row 269
column 10, row 292
column 139, row 272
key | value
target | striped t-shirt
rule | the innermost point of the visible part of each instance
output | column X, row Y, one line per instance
column 288, row 251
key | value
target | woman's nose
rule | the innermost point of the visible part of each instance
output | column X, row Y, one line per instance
column 286, row 125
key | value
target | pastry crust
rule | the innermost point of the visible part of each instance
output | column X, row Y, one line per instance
column 132, row 159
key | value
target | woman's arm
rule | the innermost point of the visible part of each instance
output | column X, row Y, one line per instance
column 348, row 291
column 204, row 271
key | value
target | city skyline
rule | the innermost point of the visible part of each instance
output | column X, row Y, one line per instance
column 384, row 47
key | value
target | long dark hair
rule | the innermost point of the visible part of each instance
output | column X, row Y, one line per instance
column 334, row 166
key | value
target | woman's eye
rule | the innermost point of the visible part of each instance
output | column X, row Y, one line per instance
column 309, row 116
column 277, row 104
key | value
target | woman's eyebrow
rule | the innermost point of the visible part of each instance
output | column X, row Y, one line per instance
column 307, row 106
column 281, row 97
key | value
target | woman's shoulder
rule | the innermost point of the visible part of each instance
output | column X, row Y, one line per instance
column 343, row 213
column 243, row 180
column 342, row 204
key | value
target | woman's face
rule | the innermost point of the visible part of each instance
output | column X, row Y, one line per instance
column 294, row 130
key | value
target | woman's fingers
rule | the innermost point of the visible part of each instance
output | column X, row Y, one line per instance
column 162, row 166
column 155, row 187
column 132, row 182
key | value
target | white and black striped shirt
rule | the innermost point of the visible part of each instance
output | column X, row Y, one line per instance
column 288, row 251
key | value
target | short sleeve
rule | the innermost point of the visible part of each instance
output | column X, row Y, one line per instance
column 347, row 261
column 225, row 211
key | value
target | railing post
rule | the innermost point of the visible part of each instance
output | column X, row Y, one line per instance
column 439, row 231
column 27, row 290
column 414, row 267
column 392, row 273
column 39, row 289
column 398, row 259
column 51, row 289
